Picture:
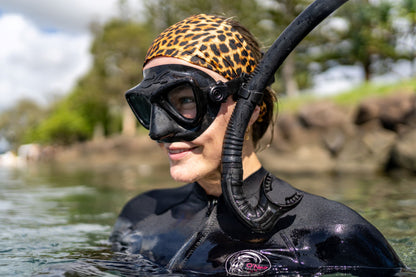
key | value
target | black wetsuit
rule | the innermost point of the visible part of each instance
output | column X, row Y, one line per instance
column 185, row 229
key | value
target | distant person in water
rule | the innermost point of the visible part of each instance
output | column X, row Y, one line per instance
column 191, row 228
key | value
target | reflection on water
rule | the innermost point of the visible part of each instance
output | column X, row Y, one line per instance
column 56, row 223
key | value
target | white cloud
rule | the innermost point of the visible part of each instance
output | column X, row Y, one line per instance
column 62, row 15
column 36, row 64
column 45, row 45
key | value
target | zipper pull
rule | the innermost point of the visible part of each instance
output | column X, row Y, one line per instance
column 211, row 204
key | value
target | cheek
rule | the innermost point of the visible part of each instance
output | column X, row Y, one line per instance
column 213, row 138
column 214, row 135
column 221, row 121
column 213, row 149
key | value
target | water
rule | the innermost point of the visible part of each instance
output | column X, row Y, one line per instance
column 57, row 223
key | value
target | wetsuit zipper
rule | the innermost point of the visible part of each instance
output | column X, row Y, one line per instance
column 185, row 252
column 211, row 205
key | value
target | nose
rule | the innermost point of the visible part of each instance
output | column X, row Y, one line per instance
column 161, row 125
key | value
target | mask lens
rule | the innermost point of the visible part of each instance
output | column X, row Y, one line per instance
column 141, row 107
column 182, row 99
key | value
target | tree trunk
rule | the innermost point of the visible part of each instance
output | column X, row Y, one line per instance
column 367, row 67
column 288, row 74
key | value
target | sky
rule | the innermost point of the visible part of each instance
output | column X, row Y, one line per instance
column 45, row 46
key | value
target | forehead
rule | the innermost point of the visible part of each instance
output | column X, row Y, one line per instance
column 169, row 60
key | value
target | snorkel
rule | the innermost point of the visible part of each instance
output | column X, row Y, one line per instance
column 264, row 216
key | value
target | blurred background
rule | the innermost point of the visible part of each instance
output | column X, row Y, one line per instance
column 70, row 146
column 65, row 67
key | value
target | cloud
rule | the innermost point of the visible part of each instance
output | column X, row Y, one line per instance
column 36, row 64
column 71, row 16
column 45, row 44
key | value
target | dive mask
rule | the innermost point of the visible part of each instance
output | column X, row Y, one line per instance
column 177, row 102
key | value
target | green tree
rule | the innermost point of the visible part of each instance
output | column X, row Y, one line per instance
column 97, row 100
column 118, row 51
column 281, row 13
column 64, row 126
column 163, row 13
column 407, row 10
column 16, row 121
column 369, row 38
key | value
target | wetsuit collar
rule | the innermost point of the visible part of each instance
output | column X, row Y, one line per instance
column 251, row 185
column 182, row 194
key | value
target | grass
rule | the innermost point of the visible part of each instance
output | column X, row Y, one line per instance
column 352, row 97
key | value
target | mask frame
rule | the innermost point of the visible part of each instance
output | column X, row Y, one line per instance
column 151, row 106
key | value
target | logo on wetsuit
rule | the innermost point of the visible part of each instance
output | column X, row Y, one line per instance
column 247, row 263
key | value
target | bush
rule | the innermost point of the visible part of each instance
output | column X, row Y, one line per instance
column 64, row 126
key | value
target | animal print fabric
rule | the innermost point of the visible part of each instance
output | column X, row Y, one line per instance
column 208, row 41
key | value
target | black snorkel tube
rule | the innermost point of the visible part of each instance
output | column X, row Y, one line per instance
column 263, row 217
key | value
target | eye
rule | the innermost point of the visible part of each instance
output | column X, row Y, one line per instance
column 182, row 99
column 187, row 100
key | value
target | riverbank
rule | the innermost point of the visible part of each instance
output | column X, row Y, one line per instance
column 375, row 136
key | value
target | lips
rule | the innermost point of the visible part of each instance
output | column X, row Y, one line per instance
column 177, row 153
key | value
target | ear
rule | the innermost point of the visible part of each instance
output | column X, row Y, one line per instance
column 254, row 116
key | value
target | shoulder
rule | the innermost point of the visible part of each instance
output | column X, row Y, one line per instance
column 314, row 207
column 154, row 202
column 336, row 232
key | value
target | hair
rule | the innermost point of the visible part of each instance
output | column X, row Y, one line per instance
column 266, row 118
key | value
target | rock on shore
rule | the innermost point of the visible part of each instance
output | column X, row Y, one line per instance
column 377, row 136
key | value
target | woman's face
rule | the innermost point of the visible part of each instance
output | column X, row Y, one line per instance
column 198, row 160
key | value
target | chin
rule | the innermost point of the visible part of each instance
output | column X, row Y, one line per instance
column 181, row 174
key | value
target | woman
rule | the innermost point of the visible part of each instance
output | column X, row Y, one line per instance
column 192, row 73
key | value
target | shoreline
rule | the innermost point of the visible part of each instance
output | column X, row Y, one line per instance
column 376, row 137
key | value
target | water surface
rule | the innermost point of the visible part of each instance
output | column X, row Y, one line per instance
column 56, row 223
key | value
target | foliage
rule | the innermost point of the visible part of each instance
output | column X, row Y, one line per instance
column 97, row 99
column 16, row 121
column 163, row 13
column 294, row 74
column 352, row 97
column 64, row 126
column 366, row 90
column 407, row 30
column 118, row 50
column 369, row 38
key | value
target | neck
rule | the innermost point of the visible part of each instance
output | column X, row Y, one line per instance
column 212, row 184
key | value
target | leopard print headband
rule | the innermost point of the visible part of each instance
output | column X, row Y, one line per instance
column 208, row 41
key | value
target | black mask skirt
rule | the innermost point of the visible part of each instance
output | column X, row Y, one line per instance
column 177, row 102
